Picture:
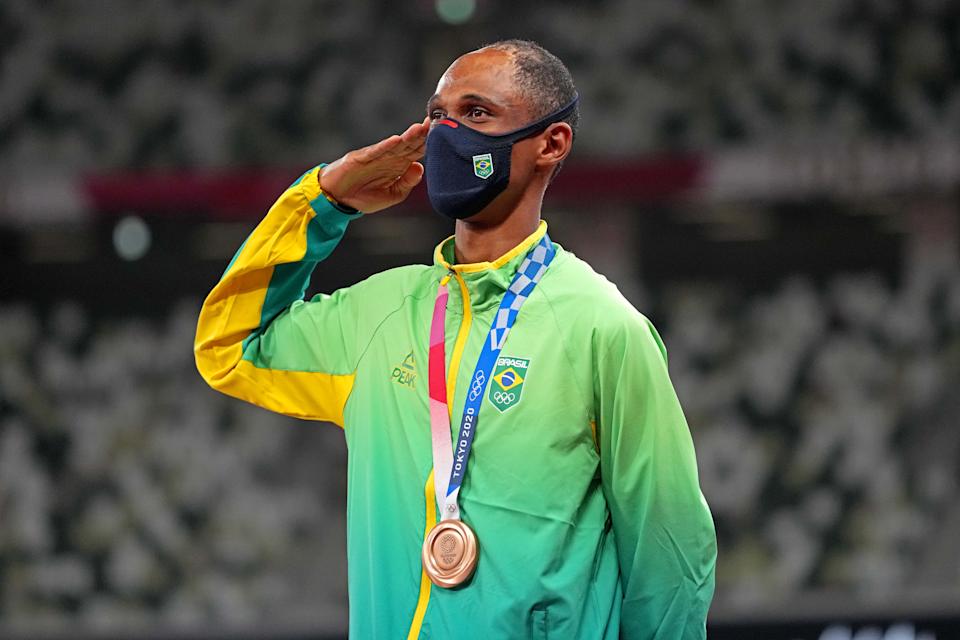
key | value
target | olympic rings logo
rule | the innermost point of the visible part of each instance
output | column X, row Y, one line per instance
column 501, row 397
column 476, row 387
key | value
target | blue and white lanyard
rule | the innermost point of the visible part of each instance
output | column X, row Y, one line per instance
column 524, row 281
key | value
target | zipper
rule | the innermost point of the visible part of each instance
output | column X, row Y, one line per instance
column 459, row 345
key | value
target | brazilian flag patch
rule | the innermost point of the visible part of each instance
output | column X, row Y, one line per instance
column 507, row 383
column 483, row 165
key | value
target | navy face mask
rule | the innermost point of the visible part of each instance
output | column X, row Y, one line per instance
column 466, row 169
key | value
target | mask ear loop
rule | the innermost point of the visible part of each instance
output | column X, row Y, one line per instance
column 541, row 124
column 523, row 132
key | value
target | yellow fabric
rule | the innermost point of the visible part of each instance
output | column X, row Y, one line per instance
column 473, row 267
column 425, row 583
column 233, row 310
column 310, row 184
column 302, row 394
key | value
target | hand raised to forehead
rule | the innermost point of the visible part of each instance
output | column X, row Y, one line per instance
column 380, row 175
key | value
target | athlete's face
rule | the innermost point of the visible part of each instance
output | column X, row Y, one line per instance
column 479, row 90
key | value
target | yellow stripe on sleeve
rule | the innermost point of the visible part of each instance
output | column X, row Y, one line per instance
column 233, row 311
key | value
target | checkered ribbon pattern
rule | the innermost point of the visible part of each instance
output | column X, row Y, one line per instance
column 528, row 275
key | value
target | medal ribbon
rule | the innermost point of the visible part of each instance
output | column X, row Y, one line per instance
column 445, row 456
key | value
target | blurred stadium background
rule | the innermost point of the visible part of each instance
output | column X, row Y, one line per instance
column 774, row 183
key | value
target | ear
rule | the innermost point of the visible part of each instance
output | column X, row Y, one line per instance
column 555, row 144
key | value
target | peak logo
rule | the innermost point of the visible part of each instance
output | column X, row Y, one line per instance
column 405, row 373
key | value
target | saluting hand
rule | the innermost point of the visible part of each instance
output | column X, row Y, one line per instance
column 378, row 176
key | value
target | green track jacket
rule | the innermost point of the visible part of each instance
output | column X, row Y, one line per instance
column 582, row 486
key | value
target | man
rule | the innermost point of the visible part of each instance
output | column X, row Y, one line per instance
column 518, row 463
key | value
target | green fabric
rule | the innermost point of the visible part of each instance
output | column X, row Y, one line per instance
column 289, row 283
column 578, row 539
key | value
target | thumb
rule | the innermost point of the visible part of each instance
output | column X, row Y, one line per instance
column 410, row 178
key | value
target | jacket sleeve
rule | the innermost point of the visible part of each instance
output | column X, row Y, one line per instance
column 257, row 339
column 664, row 532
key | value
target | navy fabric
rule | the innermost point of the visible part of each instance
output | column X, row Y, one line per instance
column 459, row 184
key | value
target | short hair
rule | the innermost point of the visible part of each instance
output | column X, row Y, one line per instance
column 542, row 79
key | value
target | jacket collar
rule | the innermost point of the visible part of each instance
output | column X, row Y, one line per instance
column 443, row 255
column 487, row 281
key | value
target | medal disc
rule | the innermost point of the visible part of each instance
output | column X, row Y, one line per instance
column 450, row 553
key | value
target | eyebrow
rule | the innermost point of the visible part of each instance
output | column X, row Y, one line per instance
column 467, row 97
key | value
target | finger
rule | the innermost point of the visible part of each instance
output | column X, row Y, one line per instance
column 411, row 132
column 415, row 148
column 410, row 178
column 415, row 132
column 409, row 152
column 406, row 145
column 386, row 147
column 379, row 149
column 424, row 128
column 418, row 152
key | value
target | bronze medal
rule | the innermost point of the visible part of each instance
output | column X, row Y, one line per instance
column 450, row 553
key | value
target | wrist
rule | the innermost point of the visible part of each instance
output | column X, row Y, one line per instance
column 337, row 204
